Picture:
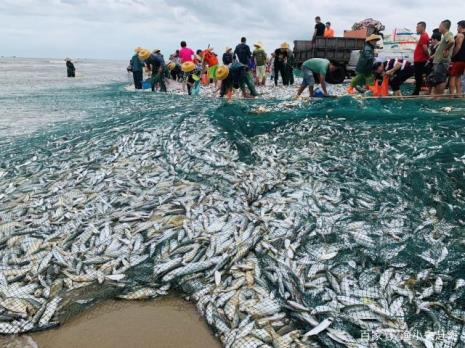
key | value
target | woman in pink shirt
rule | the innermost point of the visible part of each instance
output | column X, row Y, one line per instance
column 185, row 53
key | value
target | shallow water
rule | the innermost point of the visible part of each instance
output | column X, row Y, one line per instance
column 35, row 93
column 389, row 165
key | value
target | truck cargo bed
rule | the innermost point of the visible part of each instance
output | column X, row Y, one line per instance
column 336, row 49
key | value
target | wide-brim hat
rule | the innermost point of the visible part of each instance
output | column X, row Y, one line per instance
column 285, row 45
column 222, row 72
column 137, row 49
column 156, row 50
column 228, row 49
column 373, row 37
column 171, row 65
column 258, row 45
column 188, row 67
column 144, row 54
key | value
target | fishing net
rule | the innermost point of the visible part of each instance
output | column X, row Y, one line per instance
column 336, row 223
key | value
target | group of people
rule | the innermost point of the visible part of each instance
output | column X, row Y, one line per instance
column 438, row 63
column 241, row 68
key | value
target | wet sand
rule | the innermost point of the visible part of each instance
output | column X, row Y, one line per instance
column 165, row 323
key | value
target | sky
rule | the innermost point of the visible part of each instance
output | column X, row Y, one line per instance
column 113, row 28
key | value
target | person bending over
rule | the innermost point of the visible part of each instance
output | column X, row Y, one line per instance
column 397, row 70
column 235, row 77
column 316, row 70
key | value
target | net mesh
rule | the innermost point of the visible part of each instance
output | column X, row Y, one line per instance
column 335, row 224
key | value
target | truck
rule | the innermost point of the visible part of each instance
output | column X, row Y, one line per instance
column 381, row 55
column 344, row 51
column 338, row 50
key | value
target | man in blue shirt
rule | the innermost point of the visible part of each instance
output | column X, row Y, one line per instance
column 137, row 68
column 157, row 65
column 242, row 52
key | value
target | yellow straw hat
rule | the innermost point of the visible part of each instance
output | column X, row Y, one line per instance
column 222, row 72
column 171, row 65
column 137, row 49
column 144, row 54
column 373, row 37
column 188, row 67
column 258, row 45
column 285, row 45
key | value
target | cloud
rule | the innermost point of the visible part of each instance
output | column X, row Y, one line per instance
column 111, row 28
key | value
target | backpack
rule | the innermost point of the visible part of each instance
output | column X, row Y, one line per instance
column 210, row 58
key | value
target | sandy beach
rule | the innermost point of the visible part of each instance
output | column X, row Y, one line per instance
column 168, row 323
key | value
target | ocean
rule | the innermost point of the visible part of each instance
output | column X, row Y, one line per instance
column 36, row 92
column 129, row 188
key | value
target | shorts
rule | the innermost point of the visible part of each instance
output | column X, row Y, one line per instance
column 457, row 69
column 439, row 74
column 212, row 72
column 308, row 79
column 261, row 72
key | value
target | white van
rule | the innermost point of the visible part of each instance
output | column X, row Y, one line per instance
column 382, row 54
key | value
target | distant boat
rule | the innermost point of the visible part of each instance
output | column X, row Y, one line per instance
column 401, row 38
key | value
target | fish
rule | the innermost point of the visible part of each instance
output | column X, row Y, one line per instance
column 319, row 328
column 284, row 234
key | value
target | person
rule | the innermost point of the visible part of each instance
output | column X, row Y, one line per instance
column 364, row 68
column 157, row 51
column 210, row 61
column 329, row 31
column 320, row 68
column 458, row 61
column 70, row 68
column 198, row 58
column 156, row 64
column 260, row 57
column 137, row 68
column 319, row 28
column 175, row 58
column 192, row 77
column 185, row 53
column 242, row 52
column 396, row 70
column 235, row 76
column 270, row 66
column 290, row 65
column 228, row 56
column 280, row 64
column 420, row 56
column 441, row 59
column 433, row 46
column 175, row 71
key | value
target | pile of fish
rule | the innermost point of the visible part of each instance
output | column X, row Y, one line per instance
column 311, row 234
